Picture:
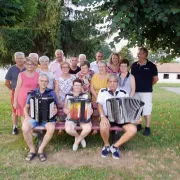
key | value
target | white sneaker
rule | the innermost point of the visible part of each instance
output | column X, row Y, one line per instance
column 75, row 147
column 83, row 143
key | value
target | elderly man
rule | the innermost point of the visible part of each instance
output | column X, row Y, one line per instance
column 30, row 123
column 11, row 81
column 55, row 65
column 81, row 58
column 35, row 58
column 146, row 75
column 94, row 65
column 130, row 130
column 74, row 68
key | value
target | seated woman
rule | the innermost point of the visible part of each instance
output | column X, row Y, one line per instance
column 71, row 125
column 44, row 69
column 98, row 82
column 114, row 62
column 126, row 80
column 85, row 75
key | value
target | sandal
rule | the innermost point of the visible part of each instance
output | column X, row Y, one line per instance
column 30, row 156
column 42, row 157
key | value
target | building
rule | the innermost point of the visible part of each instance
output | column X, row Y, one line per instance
column 168, row 72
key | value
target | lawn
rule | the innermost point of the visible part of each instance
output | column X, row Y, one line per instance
column 153, row 157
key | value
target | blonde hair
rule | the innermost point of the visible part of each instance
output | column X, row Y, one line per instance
column 64, row 63
column 115, row 54
column 28, row 59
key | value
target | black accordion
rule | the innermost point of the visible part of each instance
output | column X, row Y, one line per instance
column 124, row 110
column 41, row 108
column 79, row 110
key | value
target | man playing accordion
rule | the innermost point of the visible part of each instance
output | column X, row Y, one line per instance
column 29, row 123
column 105, row 94
column 78, row 109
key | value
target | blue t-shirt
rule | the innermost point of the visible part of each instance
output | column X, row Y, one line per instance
column 12, row 75
column 47, row 93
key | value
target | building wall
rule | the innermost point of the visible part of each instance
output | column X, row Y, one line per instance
column 172, row 78
column 2, row 74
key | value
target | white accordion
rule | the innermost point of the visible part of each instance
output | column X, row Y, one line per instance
column 124, row 110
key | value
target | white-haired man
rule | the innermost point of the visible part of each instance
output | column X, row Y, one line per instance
column 11, row 81
column 55, row 65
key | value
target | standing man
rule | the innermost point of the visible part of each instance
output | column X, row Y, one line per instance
column 55, row 65
column 35, row 58
column 146, row 75
column 94, row 65
column 11, row 80
column 74, row 68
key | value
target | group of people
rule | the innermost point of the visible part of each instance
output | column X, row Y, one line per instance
column 63, row 79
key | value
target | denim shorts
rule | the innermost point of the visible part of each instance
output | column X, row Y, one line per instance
column 34, row 123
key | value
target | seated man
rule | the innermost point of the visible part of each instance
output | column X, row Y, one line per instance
column 130, row 129
column 30, row 123
column 71, row 125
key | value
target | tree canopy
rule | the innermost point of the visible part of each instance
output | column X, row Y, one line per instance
column 150, row 23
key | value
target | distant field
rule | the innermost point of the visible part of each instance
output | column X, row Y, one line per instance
column 153, row 157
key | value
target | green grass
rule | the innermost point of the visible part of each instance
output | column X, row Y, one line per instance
column 153, row 157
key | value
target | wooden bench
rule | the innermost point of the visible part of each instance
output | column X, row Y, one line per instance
column 61, row 126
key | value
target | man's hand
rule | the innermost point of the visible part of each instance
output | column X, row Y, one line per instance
column 104, row 122
column 54, row 111
column 15, row 104
column 139, row 121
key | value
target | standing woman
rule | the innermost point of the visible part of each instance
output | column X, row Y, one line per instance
column 114, row 63
column 27, row 81
column 44, row 69
column 63, row 86
column 99, row 81
column 126, row 80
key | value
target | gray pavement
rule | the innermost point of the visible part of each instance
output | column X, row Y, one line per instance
column 173, row 89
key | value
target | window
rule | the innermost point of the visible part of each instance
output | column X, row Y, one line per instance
column 178, row 76
column 166, row 76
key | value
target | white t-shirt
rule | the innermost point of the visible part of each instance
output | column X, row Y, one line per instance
column 104, row 95
column 94, row 67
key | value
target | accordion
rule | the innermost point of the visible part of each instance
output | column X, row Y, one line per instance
column 124, row 110
column 79, row 110
column 41, row 108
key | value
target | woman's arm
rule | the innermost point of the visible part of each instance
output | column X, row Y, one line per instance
column 133, row 86
column 92, row 90
column 57, row 89
column 66, row 109
column 18, row 86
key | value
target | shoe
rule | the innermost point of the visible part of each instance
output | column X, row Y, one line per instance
column 75, row 147
column 139, row 127
column 105, row 151
column 15, row 131
column 42, row 157
column 147, row 131
column 83, row 143
column 30, row 156
column 115, row 152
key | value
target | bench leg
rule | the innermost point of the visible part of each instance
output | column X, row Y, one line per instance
column 116, row 136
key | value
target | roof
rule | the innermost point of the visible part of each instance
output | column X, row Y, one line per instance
column 168, row 67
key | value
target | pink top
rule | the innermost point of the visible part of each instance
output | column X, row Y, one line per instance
column 110, row 70
column 28, row 84
column 55, row 68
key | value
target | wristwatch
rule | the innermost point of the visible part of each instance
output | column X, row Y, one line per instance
column 102, row 115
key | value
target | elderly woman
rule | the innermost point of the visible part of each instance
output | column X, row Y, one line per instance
column 126, row 80
column 114, row 63
column 85, row 75
column 81, row 58
column 98, row 82
column 63, row 86
column 44, row 69
column 27, row 81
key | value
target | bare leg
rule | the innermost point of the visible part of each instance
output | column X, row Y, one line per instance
column 86, row 129
column 104, row 131
column 50, row 128
column 147, row 120
column 14, row 119
column 70, row 129
column 27, row 133
column 130, row 131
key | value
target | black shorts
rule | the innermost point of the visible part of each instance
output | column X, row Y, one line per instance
column 118, row 125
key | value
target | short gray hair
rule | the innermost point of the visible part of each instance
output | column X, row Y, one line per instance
column 17, row 54
column 112, row 76
column 82, row 55
column 43, row 75
column 59, row 50
column 32, row 55
column 102, row 62
column 43, row 58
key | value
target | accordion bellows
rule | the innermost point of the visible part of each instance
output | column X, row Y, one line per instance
column 124, row 110
column 79, row 110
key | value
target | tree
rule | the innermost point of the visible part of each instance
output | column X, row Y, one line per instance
column 127, row 54
column 150, row 23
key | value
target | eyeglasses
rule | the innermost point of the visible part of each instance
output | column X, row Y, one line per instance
column 27, row 64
